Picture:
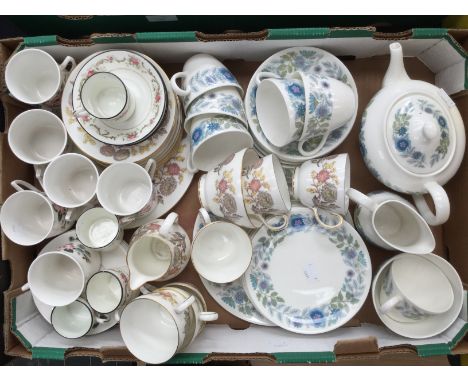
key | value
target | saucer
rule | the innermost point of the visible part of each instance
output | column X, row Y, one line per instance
column 172, row 182
column 429, row 326
column 145, row 86
column 289, row 279
column 111, row 259
column 283, row 63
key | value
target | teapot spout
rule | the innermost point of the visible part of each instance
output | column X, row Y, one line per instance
column 396, row 70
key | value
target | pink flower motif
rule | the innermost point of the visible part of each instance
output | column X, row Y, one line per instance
column 323, row 176
column 158, row 97
column 85, row 117
column 134, row 61
column 90, row 72
column 223, row 185
column 69, row 246
column 255, row 185
column 131, row 136
column 154, row 226
column 173, row 169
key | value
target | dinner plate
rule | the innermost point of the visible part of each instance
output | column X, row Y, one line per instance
column 284, row 63
column 306, row 278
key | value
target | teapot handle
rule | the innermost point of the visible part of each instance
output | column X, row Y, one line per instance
column 441, row 203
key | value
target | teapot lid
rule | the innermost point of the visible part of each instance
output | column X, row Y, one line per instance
column 420, row 134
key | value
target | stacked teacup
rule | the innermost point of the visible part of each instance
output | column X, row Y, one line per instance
column 215, row 114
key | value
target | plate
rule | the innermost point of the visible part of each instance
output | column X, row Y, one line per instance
column 284, row 63
column 111, row 259
column 108, row 154
column 327, row 280
column 429, row 326
column 172, row 182
column 146, row 87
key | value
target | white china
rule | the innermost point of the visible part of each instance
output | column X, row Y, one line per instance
column 428, row 326
column 99, row 229
column 294, row 288
column 70, row 180
column 37, row 136
column 390, row 222
column 34, row 77
column 285, row 63
column 414, row 288
column 214, row 138
column 28, row 217
column 159, row 250
column 422, row 140
column 125, row 188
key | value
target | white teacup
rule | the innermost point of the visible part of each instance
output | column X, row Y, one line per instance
column 105, row 96
column 415, row 288
column 70, row 180
column 99, row 229
column 126, row 188
column 221, row 251
column 28, row 217
column 390, row 222
column 37, row 136
column 34, row 77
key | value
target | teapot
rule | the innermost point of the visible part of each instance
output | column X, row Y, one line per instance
column 412, row 138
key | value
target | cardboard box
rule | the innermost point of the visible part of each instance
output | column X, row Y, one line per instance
column 432, row 55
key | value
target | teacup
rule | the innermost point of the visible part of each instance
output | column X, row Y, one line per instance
column 104, row 95
column 70, row 180
column 220, row 190
column 280, row 104
column 126, row 188
column 329, row 104
column 390, row 222
column 59, row 277
column 37, row 136
column 222, row 101
column 158, row 250
column 414, row 288
column 34, row 77
column 99, row 229
column 221, row 251
column 76, row 319
column 213, row 138
column 202, row 73
column 265, row 190
column 28, row 217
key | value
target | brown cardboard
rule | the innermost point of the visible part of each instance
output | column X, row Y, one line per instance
column 368, row 73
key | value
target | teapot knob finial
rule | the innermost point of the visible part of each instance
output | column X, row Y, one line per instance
column 429, row 130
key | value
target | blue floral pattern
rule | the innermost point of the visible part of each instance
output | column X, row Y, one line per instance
column 209, row 127
column 295, row 90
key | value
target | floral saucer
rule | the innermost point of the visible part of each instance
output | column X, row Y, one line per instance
column 146, row 87
column 111, row 259
column 171, row 181
column 290, row 280
column 106, row 153
column 284, row 63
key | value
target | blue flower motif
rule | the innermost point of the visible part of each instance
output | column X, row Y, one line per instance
column 323, row 111
column 312, row 103
column 240, row 297
column 325, row 84
column 442, row 121
column 213, row 126
column 197, row 135
column 402, row 131
column 300, row 112
column 237, row 104
column 317, row 69
column 299, row 61
column 263, row 285
column 212, row 95
column 264, row 266
column 402, row 144
column 317, row 317
column 227, row 74
column 295, row 89
column 417, row 155
column 350, row 273
column 428, row 110
column 350, row 253
column 297, row 221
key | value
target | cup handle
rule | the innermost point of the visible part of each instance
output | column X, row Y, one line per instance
column 102, row 318
column 69, row 214
column 300, row 146
column 204, row 213
column 150, row 167
column 441, row 203
column 145, row 290
column 190, row 166
column 38, row 170
column 262, row 75
column 64, row 65
column 184, row 305
column 170, row 220
column 325, row 225
column 385, row 308
column 127, row 219
column 25, row 287
column 208, row 316
column 117, row 316
column 285, row 219
column 361, row 199
column 179, row 91
column 21, row 185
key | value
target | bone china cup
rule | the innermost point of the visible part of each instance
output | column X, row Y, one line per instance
column 390, row 222
column 415, row 288
column 70, row 180
column 37, row 136
column 32, row 76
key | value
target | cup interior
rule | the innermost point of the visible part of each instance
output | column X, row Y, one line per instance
column 55, row 279
column 97, row 228
column 32, row 76
column 27, row 218
column 150, row 256
column 221, row 252
column 37, row 136
column 73, row 320
column 104, row 95
column 104, row 292
column 124, row 188
column 149, row 331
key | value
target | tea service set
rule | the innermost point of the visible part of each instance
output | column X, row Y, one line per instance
column 271, row 249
